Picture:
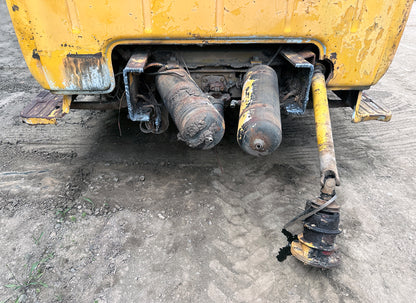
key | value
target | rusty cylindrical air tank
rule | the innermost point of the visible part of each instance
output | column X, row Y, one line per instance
column 259, row 127
column 200, row 125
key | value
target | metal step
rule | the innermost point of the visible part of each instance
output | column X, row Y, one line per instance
column 45, row 108
column 366, row 110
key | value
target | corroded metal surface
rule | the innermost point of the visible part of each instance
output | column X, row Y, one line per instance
column 200, row 125
column 134, row 67
column 259, row 127
column 45, row 108
column 315, row 258
column 86, row 72
column 304, row 72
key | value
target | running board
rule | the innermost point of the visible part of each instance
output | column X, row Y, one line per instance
column 366, row 109
column 45, row 108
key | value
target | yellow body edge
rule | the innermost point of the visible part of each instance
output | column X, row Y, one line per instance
column 359, row 37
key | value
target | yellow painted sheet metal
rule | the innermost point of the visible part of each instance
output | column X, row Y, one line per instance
column 67, row 44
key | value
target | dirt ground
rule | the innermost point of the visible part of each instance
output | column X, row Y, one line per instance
column 142, row 218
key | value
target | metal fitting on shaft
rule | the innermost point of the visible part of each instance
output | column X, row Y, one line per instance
column 316, row 245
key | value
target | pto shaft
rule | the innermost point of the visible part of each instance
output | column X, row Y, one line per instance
column 316, row 245
column 328, row 164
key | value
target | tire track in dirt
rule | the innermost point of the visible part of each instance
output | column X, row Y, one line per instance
column 244, row 273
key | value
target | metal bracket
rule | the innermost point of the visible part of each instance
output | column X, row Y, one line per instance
column 304, row 72
column 134, row 67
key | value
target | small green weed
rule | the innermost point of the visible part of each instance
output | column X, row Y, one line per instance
column 34, row 278
column 89, row 201
column 62, row 213
column 37, row 239
column 59, row 298
column 15, row 301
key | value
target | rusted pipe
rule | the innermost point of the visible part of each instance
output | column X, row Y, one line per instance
column 200, row 125
column 259, row 127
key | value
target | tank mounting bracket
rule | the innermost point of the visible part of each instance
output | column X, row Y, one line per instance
column 135, row 67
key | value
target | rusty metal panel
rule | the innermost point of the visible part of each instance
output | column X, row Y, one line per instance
column 87, row 72
column 44, row 109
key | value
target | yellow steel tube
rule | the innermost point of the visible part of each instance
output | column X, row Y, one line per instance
column 324, row 139
column 321, row 111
